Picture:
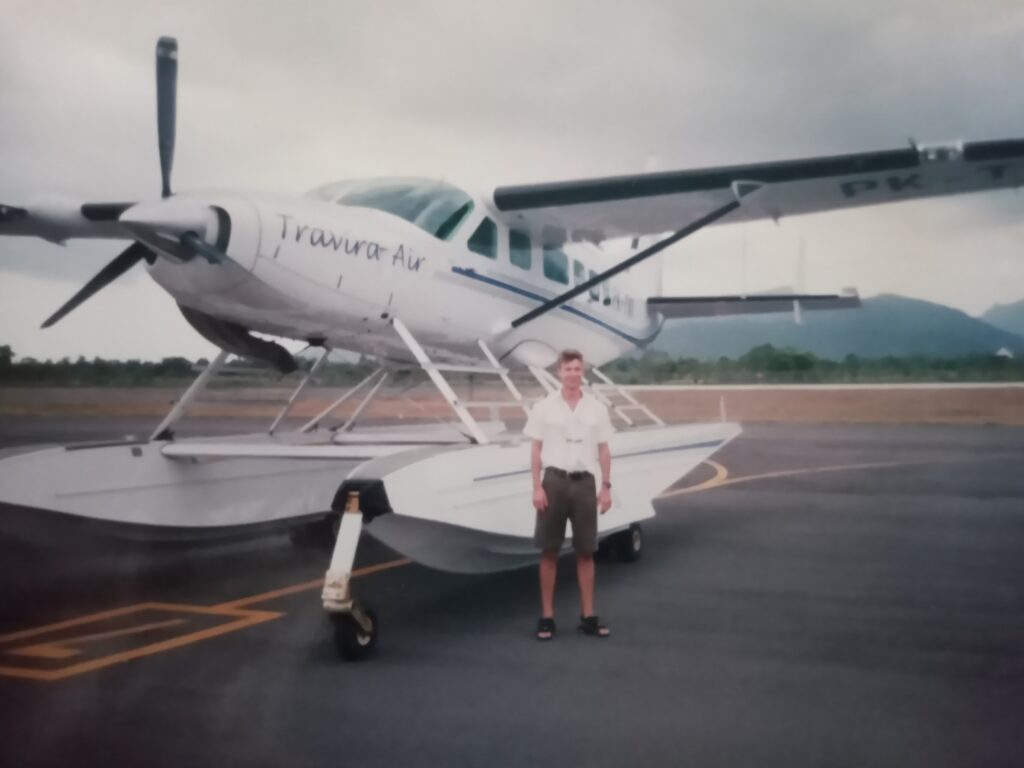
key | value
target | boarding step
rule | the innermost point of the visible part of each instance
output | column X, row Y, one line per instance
column 609, row 387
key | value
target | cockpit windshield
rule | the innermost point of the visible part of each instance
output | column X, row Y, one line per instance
column 434, row 206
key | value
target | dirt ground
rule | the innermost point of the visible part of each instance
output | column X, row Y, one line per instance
column 934, row 406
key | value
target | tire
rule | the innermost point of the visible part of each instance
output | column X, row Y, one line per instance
column 350, row 641
column 629, row 544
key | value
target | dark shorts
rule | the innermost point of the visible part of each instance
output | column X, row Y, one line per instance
column 569, row 499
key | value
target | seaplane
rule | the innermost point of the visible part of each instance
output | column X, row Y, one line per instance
column 420, row 274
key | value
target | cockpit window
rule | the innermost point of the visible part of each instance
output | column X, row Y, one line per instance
column 434, row 206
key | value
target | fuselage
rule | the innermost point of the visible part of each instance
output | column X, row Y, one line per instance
column 337, row 266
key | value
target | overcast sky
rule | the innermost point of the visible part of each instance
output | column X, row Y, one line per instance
column 286, row 98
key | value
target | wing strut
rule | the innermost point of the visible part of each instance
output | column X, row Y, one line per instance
column 740, row 190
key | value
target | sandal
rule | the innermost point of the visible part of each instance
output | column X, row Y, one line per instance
column 545, row 630
column 589, row 625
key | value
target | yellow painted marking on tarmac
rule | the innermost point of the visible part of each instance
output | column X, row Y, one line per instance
column 238, row 611
column 314, row 584
column 721, row 473
column 718, row 482
column 241, row 620
column 59, row 649
column 71, row 623
column 45, row 652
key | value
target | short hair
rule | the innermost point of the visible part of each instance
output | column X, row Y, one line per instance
column 568, row 355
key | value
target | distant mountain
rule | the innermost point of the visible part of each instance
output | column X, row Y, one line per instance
column 1007, row 317
column 885, row 325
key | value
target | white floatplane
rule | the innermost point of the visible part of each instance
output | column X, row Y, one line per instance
column 420, row 274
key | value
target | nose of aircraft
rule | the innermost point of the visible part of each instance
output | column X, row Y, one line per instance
column 173, row 217
column 180, row 227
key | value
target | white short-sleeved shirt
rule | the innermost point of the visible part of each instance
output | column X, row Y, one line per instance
column 570, row 436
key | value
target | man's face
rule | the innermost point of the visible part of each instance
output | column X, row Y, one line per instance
column 571, row 373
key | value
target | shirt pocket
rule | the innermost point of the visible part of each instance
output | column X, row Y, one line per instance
column 554, row 427
column 591, row 427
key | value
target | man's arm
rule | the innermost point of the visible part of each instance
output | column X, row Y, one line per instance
column 540, row 498
column 604, row 496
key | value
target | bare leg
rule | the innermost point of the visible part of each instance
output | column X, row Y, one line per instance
column 585, row 576
column 548, row 572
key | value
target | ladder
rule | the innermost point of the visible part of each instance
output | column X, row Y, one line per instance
column 436, row 371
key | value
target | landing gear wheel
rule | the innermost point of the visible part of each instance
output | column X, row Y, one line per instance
column 351, row 641
column 629, row 544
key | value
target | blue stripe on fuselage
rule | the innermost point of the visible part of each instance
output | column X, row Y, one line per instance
column 473, row 274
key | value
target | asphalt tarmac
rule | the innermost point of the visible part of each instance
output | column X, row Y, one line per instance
column 821, row 596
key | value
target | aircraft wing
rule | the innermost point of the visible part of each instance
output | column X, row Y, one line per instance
column 716, row 306
column 653, row 203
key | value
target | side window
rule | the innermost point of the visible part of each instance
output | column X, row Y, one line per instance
column 579, row 273
column 485, row 240
column 519, row 249
column 556, row 264
column 595, row 291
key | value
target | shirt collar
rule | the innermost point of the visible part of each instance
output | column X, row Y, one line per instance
column 584, row 397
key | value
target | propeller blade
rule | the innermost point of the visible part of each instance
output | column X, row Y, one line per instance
column 128, row 258
column 11, row 213
column 166, row 98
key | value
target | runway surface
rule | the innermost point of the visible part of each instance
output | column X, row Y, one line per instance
column 819, row 596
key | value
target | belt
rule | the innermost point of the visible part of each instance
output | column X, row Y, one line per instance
column 571, row 475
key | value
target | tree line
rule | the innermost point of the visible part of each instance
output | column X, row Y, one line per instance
column 766, row 364
column 763, row 364
column 171, row 371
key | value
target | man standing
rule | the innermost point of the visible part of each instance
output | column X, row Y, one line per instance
column 570, row 430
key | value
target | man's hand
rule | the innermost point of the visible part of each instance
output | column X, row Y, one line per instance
column 604, row 500
column 540, row 499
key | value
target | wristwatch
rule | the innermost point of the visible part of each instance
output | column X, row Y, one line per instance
column 606, row 484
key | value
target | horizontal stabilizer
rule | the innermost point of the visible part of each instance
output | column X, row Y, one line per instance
column 718, row 306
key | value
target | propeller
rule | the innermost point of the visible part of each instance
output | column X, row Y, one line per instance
column 176, row 228
column 166, row 99
column 128, row 258
column 12, row 213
